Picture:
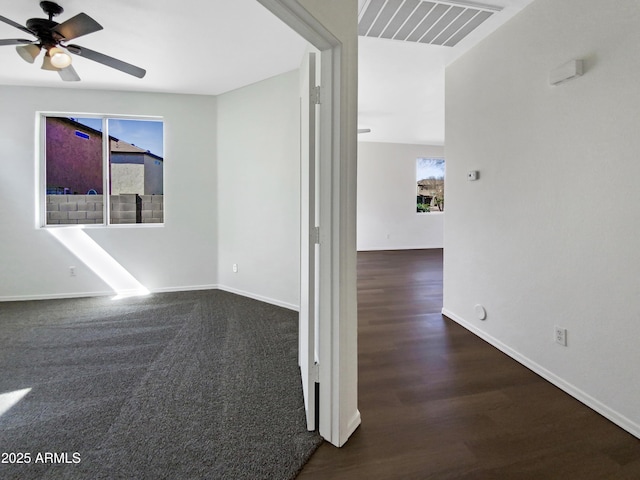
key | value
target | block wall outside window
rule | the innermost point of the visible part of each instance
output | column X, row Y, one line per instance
column 74, row 209
column 88, row 209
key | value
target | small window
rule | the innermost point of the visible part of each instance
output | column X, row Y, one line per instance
column 430, row 185
column 102, row 170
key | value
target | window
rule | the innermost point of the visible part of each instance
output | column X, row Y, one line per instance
column 89, row 159
column 430, row 185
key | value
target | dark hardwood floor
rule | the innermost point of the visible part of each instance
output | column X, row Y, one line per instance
column 437, row 402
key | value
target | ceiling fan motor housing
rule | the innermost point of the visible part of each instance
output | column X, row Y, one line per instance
column 43, row 29
column 51, row 8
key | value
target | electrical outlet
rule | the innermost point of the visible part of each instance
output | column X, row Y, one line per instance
column 235, row 268
column 72, row 271
column 561, row 336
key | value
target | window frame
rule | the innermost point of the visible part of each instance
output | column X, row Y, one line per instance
column 444, row 179
column 41, row 189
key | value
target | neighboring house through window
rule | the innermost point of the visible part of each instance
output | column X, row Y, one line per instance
column 81, row 163
column 430, row 185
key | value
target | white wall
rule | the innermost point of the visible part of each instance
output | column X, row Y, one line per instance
column 387, row 218
column 180, row 255
column 549, row 234
column 259, row 190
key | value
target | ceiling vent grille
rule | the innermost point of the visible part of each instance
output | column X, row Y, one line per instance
column 435, row 23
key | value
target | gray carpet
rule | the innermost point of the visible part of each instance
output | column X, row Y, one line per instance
column 189, row 385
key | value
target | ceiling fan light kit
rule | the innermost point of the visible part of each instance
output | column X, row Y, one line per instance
column 28, row 52
column 47, row 65
column 59, row 58
column 52, row 36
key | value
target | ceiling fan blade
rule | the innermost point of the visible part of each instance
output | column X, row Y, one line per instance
column 81, row 24
column 107, row 60
column 15, row 41
column 69, row 74
column 14, row 24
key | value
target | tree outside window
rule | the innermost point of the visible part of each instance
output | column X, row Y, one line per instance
column 430, row 185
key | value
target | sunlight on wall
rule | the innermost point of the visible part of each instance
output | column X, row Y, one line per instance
column 99, row 261
column 9, row 399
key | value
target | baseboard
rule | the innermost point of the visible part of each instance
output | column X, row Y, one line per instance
column 610, row 414
column 391, row 248
column 57, row 296
column 353, row 424
column 338, row 438
column 102, row 293
column 108, row 293
column 188, row 288
column 260, row 298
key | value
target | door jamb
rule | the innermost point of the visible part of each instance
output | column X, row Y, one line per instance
column 332, row 424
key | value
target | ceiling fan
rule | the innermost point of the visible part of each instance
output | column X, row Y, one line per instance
column 52, row 37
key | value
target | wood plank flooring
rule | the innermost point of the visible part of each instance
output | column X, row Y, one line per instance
column 437, row 402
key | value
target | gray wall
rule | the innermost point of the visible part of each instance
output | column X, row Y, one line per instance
column 180, row 254
column 549, row 234
column 258, row 194
column 387, row 218
column 256, row 136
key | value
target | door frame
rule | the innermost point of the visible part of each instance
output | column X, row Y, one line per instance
column 337, row 322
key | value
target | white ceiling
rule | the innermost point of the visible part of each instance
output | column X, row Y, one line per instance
column 401, row 84
column 214, row 46
column 186, row 46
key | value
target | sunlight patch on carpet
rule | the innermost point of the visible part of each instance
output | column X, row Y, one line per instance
column 9, row 399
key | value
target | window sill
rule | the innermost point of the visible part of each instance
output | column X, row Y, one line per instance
column 89, row 226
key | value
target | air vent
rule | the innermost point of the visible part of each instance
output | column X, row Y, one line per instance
column 435, row 23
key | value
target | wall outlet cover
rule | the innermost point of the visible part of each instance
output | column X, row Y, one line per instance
column 560, row 335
